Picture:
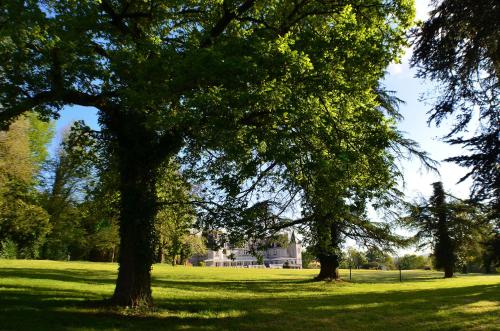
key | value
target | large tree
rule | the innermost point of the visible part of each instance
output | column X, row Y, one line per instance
column 333, row 177
column 227, row 74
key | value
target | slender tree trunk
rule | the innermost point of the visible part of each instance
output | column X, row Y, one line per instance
column 161, row 254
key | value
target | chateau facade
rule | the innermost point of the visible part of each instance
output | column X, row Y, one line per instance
column 273, row 257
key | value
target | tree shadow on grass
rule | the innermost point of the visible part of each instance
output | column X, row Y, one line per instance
column 274, row 304
column 68, row 310
column 24, row 309
column 65, row 275
column 392, row 310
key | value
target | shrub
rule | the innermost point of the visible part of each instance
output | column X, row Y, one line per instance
column 8, row 249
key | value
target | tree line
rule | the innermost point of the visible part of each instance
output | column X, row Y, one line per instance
column 64, row 206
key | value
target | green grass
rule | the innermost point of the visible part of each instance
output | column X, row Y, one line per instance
column 46, row 295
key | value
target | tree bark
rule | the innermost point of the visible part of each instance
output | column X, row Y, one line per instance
column 328, row 249
column 329, row 267
column 138, row 164
column 137, row 215
column 448, row 271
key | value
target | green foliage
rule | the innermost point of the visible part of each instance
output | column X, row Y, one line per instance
column 175, row 218
column 40, row 134
column 356, row 258
column 377, row 259
column 450, row 227
column 491, row 255
column 22, row 220
column 16, row 162
column 103, row 240
column 69, row 175
column 308, row 258
column 8, row 249
column 412, row 261
column 457, row 47
column 279, row 240
column 250, row 83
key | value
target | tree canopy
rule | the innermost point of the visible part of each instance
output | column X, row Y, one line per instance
column 253, row 82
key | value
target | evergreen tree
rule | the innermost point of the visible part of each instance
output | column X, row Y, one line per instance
column 457, row 47
column 447, row 226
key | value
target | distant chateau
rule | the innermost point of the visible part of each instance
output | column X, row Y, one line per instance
column 273, row 257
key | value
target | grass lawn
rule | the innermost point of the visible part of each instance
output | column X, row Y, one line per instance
column 47, row 295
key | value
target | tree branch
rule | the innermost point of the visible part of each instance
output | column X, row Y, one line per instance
column 7, row 114
column 225, row 20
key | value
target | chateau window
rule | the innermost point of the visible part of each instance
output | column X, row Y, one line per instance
column 275, row 252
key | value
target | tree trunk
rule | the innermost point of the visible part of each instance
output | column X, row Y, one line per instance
column 137, row 215
column 328, row 248
column 329, row 269
column 161, row 254
column 448, row 271
column 138, row 164
column 139, row 151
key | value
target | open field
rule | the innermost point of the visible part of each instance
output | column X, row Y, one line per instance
column 46, row 295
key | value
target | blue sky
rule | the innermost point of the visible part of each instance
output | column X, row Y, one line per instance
column 402, row 80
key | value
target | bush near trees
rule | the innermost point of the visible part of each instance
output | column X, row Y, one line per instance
column 411, row 261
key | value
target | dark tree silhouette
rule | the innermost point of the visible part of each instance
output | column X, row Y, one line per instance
column 458, row 48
